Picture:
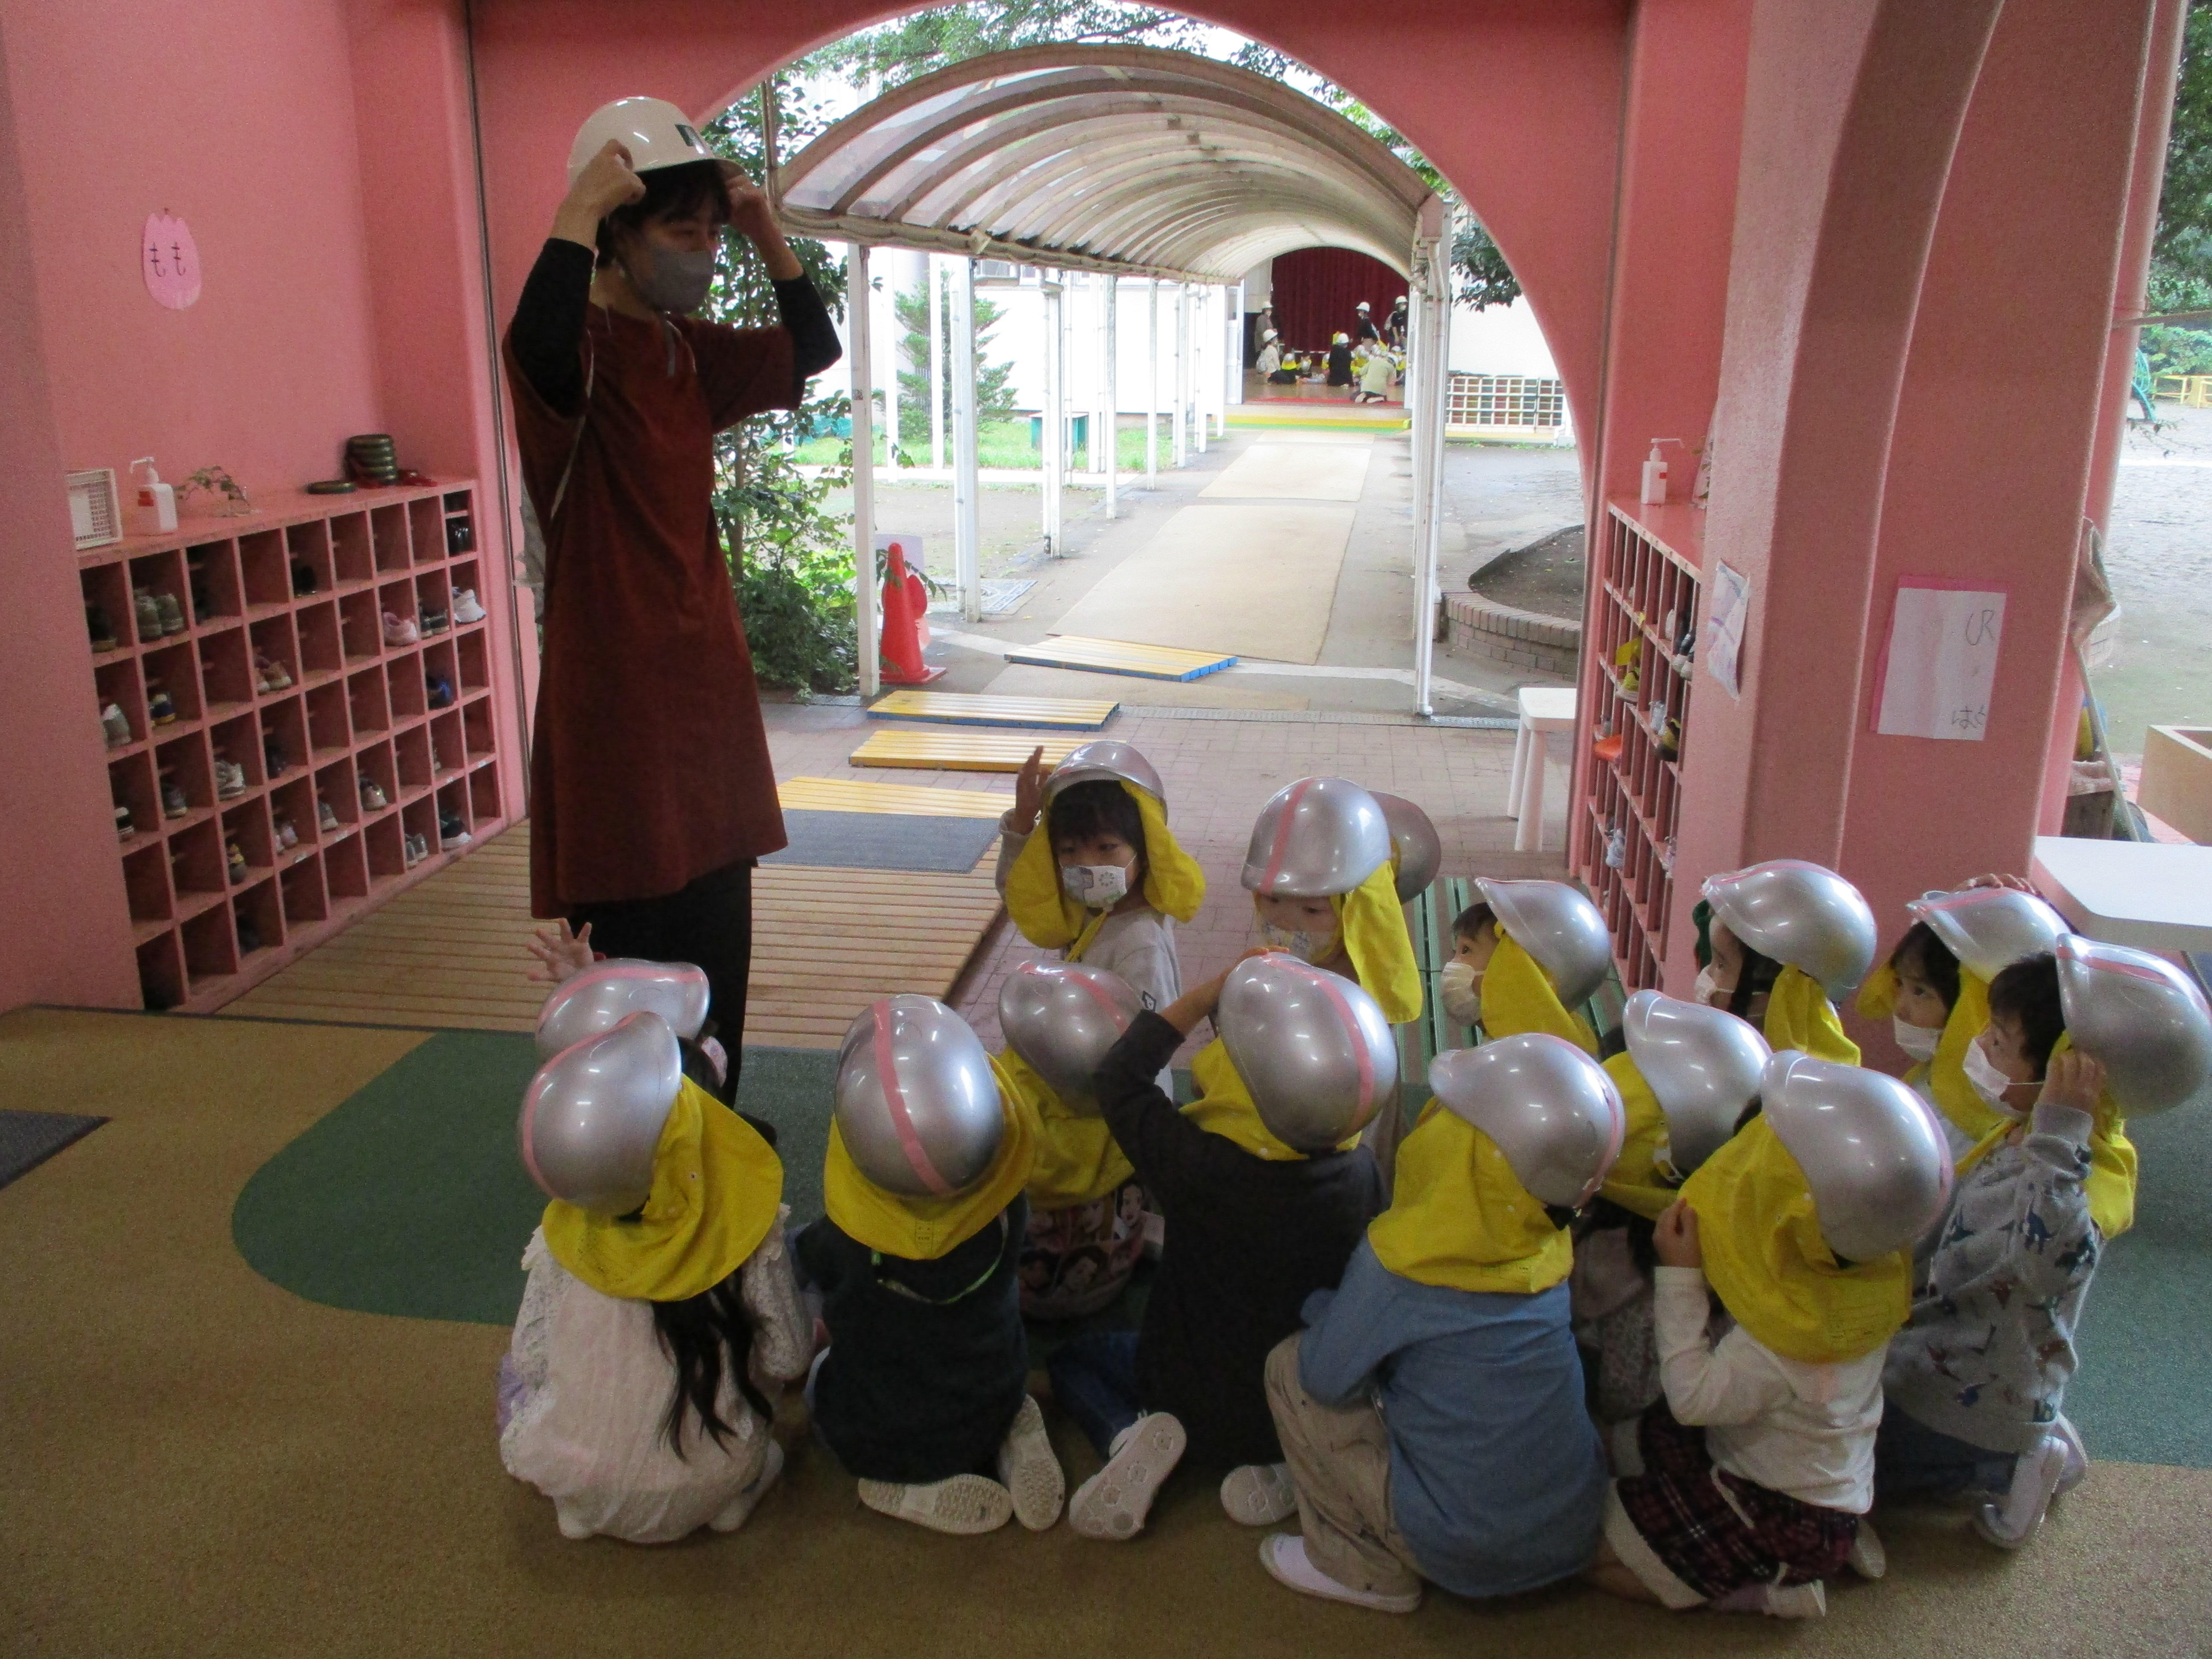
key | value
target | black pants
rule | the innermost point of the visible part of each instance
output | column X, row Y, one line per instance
column 708, row 924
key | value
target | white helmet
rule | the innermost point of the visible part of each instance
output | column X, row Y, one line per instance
column 654, row 132
column 1316, row 838
column 1550, row 1108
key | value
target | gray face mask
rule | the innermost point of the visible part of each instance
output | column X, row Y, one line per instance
column 673, row 282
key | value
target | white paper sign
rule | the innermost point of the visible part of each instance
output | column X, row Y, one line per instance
column 1941, row 662
column 1724, row 624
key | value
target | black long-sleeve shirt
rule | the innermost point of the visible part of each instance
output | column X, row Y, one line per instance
column 549, row 320
column 1248, row 1239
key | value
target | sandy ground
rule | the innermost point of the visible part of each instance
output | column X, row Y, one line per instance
column 2159, row 554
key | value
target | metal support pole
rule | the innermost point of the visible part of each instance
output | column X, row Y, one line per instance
column 1237, row 348
column 1052, row 423
column 1151, row 380
column 891, row 378
column 1181, row 451
column 1427, row 388
column 936, row 277
column 1112, row 397
column 863, row 471
column 1199, row 352
column 967, row 562
column 1100, row 424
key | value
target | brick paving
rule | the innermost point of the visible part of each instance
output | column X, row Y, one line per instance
column 1218, row 773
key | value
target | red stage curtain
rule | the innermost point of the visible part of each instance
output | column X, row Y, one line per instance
column 1316, row 290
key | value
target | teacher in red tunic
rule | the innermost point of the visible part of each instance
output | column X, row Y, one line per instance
column 651, row 791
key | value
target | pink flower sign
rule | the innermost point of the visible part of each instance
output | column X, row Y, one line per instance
column 171, row 261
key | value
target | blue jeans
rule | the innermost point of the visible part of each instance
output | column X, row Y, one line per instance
column 1911, row 1460
column 1094, row 1378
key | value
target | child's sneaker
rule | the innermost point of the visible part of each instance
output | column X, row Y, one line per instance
column 2013, row 1519
column 1776, row 1600
column 274, row 677
column 438, row 691
column 963, row 1506
column 286, row 836
column 123, row 828
column 465, row 608
column 229, row 779
column 171, row 614
column 173, row 804
column 1868, row 1558
column 739, row 1509
column 1028, row 1471
column 410, row 850
column 453, row 833
column 371, row 796
column 399, row 630
column 1260, row 1494
column 115, row 724
column 2077, row 1456
column 103, row 631
column 237, row 864
column 1284, row 1555
column 433, row 621
column 272, row 753
column 160, row 706
column 148, row 614
column 326, row 817
column 1112, row 1503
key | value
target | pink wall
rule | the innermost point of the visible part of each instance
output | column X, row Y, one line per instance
column 239, row 118
column 1517, row 101
column 1866, row 96
column 1989, row 461
column 1667, row 309
column 62, row 910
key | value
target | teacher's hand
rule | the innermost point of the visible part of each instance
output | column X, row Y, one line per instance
column 752, row 215
column 606, row 182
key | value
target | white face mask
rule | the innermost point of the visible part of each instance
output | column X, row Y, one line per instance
column 1304, row 945
column 1459, row 987
column 1917, row 1041
column 1095, row 886
column 1989, row 1083
column 1707, row 989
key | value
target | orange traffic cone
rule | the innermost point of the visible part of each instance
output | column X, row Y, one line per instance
column 905, row 599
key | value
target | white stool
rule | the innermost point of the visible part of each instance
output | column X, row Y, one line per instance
column 1544, row 709
column 2152, row 897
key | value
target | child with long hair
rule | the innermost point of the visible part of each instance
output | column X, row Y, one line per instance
column 1776, row 942
column 660, row 1317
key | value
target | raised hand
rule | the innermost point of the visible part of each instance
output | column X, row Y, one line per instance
column 2073, row 1081
column 1675, row 1237
column 1029, row 791
column 561, row 954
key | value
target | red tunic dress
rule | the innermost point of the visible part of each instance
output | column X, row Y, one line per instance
column 648, row 764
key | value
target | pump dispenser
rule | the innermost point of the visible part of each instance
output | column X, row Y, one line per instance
column 157, row 502
column 1655, row 475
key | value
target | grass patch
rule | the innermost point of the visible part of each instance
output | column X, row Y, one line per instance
column 998, row 444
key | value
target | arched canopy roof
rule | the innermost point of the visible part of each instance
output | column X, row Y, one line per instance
column 1105, row 158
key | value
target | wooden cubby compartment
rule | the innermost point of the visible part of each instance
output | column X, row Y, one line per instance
column 1646, row 612
column 303, row 585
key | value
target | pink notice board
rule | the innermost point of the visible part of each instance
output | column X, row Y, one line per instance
column 1939, row 660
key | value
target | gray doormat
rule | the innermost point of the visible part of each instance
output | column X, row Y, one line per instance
column 884, row 841
column 29, row 1139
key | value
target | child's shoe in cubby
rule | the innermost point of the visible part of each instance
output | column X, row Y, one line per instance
column 326, row 816
column 102, row 630
column 452, row 832
column 249, row 937
column 273, row 755
column 173, row 804
column 411, row 851
column 171, row 613
column 274, row 677
column 372, row 798
column 237, row 861
column 160, row 706
column 465, row 608
column 439, row 690
column 433, row 621
column 229, row 778
column 123, row 828
column 115, row 724
column 148, row 614
column 286, row 836
column 399, row 630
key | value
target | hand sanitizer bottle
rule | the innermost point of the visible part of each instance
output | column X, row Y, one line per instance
column 1654, row 477
column 157, row 502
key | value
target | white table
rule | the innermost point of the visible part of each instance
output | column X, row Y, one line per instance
column 2151, row 896
column 1545, row 710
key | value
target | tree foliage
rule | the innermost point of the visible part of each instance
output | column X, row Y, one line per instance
column 995, row 391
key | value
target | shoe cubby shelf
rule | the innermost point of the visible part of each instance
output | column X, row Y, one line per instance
column 1648, row 567
column 257, row 681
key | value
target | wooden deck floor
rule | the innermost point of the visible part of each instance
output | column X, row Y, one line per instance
column 826, row 943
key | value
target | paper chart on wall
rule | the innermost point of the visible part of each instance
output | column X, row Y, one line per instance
column 1724, row 624
column 1942, row 660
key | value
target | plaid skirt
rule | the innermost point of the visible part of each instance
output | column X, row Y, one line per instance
column 1717, row 1531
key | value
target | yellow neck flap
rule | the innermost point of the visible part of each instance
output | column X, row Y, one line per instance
column 1175, row 885
column 1800, row 1016
column 1773, row 1272
column 716, row 1187
column 1518, row 997
column 924, row 1229
column 1078, row 1159
column 1460, row 1218
column 1225, row 1108
column 1635, row 1182
column 1373, row 925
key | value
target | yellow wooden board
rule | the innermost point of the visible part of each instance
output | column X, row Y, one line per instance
column 1157, row 662
column 449, row 953
column 962, row 709
column 959, row 752
column 854, row 795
